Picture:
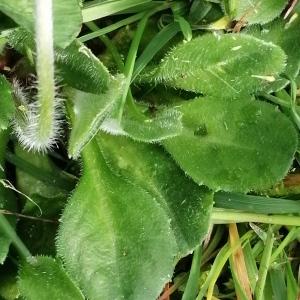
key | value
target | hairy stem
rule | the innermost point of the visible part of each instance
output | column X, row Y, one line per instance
column 45, row 71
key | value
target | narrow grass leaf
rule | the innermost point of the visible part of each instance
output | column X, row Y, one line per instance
column 192, row 285
column 264, row 265
column 256, row 204
column 99, row 9
column 238, row 264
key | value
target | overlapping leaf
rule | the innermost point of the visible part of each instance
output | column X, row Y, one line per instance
column 185, row 203
column 257, row 11
column 123, row 246
column 285, row 35
column 44, row 278
column 90, row 111
column 22, row 12
column 234, row 145
column 230, row 64
column 143, row 126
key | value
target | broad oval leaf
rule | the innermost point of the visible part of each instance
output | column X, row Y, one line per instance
column 187, row 204
column 90, row 111
column 7, row 106
column 22, row 12
column 44, row 278
column 259, row 12
column 230, row 64
column 77, row 65
column 123, row 247
column 234, row 145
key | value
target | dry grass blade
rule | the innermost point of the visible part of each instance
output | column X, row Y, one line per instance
column 239, row 260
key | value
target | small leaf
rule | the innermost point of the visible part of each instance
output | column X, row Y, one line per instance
column 45, row 279
column 135, row 123
column 90, row 111
column 67, row 18
column 123, row 247
column 81, row 69
column 210, row 64
column 186, row 204
column 233, row 145
column 259, row 12
column 77, row 65
column 7, row 106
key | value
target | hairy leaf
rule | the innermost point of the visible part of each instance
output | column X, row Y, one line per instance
column 77, row 66
column 234, row 145
column 90, row 111
column 185, row 203
column 7, row 107
column 123, row 247
column 143, row 126
column 67, row 17
column 285, row 35
column 81, row 69
column 45, row 279
column 230, row 64
column 257, row 11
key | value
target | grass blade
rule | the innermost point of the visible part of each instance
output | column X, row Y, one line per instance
column 99, row 9
column 191, row 289
column 264, row 265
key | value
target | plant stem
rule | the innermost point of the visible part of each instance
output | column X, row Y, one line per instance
column 264, row 265
column 225, row 216
column 191, row 289
column 10, row 233
column 45, row 71
column 287, row 240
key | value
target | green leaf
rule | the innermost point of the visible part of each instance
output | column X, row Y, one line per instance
column 67, row 18
column 7, row 199
column 285, row 35
column 186, row 204
column 141, row 125
column 45, row 279
column 234, row 145
column 90, row 111
column 7, row 107
column 123, row 247
column 212, row 64
column 99, row 9
column 77, row 66
column 81, row 69
column 50, row 182
column 259, row 12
